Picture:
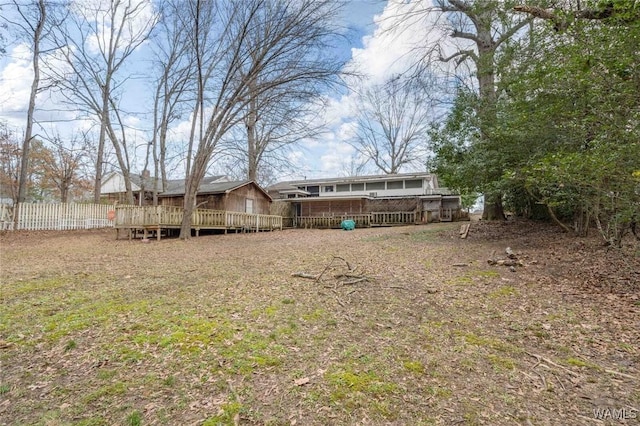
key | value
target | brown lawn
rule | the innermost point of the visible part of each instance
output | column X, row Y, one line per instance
column 404, row 326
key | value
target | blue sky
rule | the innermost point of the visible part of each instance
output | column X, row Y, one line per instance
column 371, row 49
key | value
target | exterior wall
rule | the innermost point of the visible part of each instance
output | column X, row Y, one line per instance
column 433, row 209
column 332, row 207
column 341, row 207
column 382, row 188
column 453, row 203
column 235, row 201
column 115, row 184
column 120, row 198
column 171, row 201
column 398, row 205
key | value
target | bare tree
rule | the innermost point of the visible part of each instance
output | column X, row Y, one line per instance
column 274, row 123
column 257, row 48
column 280, row 116
column 392, row 120
column 32, row 26
column 173, row 86
column 37, row 182
column 64, row 167
column 10, row 154
column 98, row 39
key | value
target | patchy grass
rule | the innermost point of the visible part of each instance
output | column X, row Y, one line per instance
column 215, row 330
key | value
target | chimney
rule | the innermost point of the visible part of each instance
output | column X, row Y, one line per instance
column 146, row 174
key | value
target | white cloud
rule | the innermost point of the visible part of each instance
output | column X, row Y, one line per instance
column 16, row 77
column 15, row 84
column 336, row 158
column 97, row 13
column 390, row 50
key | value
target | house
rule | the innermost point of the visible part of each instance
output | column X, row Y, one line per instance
column 214, row 192
column 113, row 188
column 412, row 197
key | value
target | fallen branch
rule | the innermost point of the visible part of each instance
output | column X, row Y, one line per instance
column 305, row 275
column 548, row 361
column 356, row 281
column 617, row 373
column 338, row 276
column 347, row 263
column 399, row 287
column 350, row 277
column 544, row 381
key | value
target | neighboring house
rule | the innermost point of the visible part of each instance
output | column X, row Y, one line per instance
column 418, row 193
column 113, row 188
column 215, row 192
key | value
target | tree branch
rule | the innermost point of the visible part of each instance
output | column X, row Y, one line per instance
column 560, row 24
column 462, row 54
column 462, row 34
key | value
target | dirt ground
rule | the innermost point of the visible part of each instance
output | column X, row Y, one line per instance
column 407, row 326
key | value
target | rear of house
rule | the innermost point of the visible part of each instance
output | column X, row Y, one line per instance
column 370, row 200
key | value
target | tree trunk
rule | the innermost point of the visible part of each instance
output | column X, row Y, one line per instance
column 24, row 161
column 493, row 209
column 252, row 141
column 97, row 188
column 64, row 194
column 192, row 183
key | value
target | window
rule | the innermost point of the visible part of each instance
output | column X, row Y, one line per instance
column 375, row 186
column 357, row 186
column 394, row 184
column 248, row 205
column 417, row 183
column 342, row 187
column 314, row 190
column 328, row 188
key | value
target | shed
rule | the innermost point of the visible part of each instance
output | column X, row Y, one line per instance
column 234, row 196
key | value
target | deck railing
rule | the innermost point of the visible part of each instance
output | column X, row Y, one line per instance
column 393, row 218
column 362, row 220
column 170, row 216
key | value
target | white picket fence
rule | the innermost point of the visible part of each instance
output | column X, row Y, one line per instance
column 41, row 217
column 6, row 217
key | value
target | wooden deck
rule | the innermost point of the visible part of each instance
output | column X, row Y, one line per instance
column 155, row 219
column 362, row 220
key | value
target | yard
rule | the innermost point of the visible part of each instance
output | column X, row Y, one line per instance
column 407, row 325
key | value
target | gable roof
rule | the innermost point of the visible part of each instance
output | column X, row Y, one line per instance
column 218, row 184
column 172, row 184
column 211, row 188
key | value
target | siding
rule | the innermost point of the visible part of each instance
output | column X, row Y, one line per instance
column 332, row 207
column 234, row 201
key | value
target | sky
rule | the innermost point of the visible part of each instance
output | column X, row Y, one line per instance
column 372, row 49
